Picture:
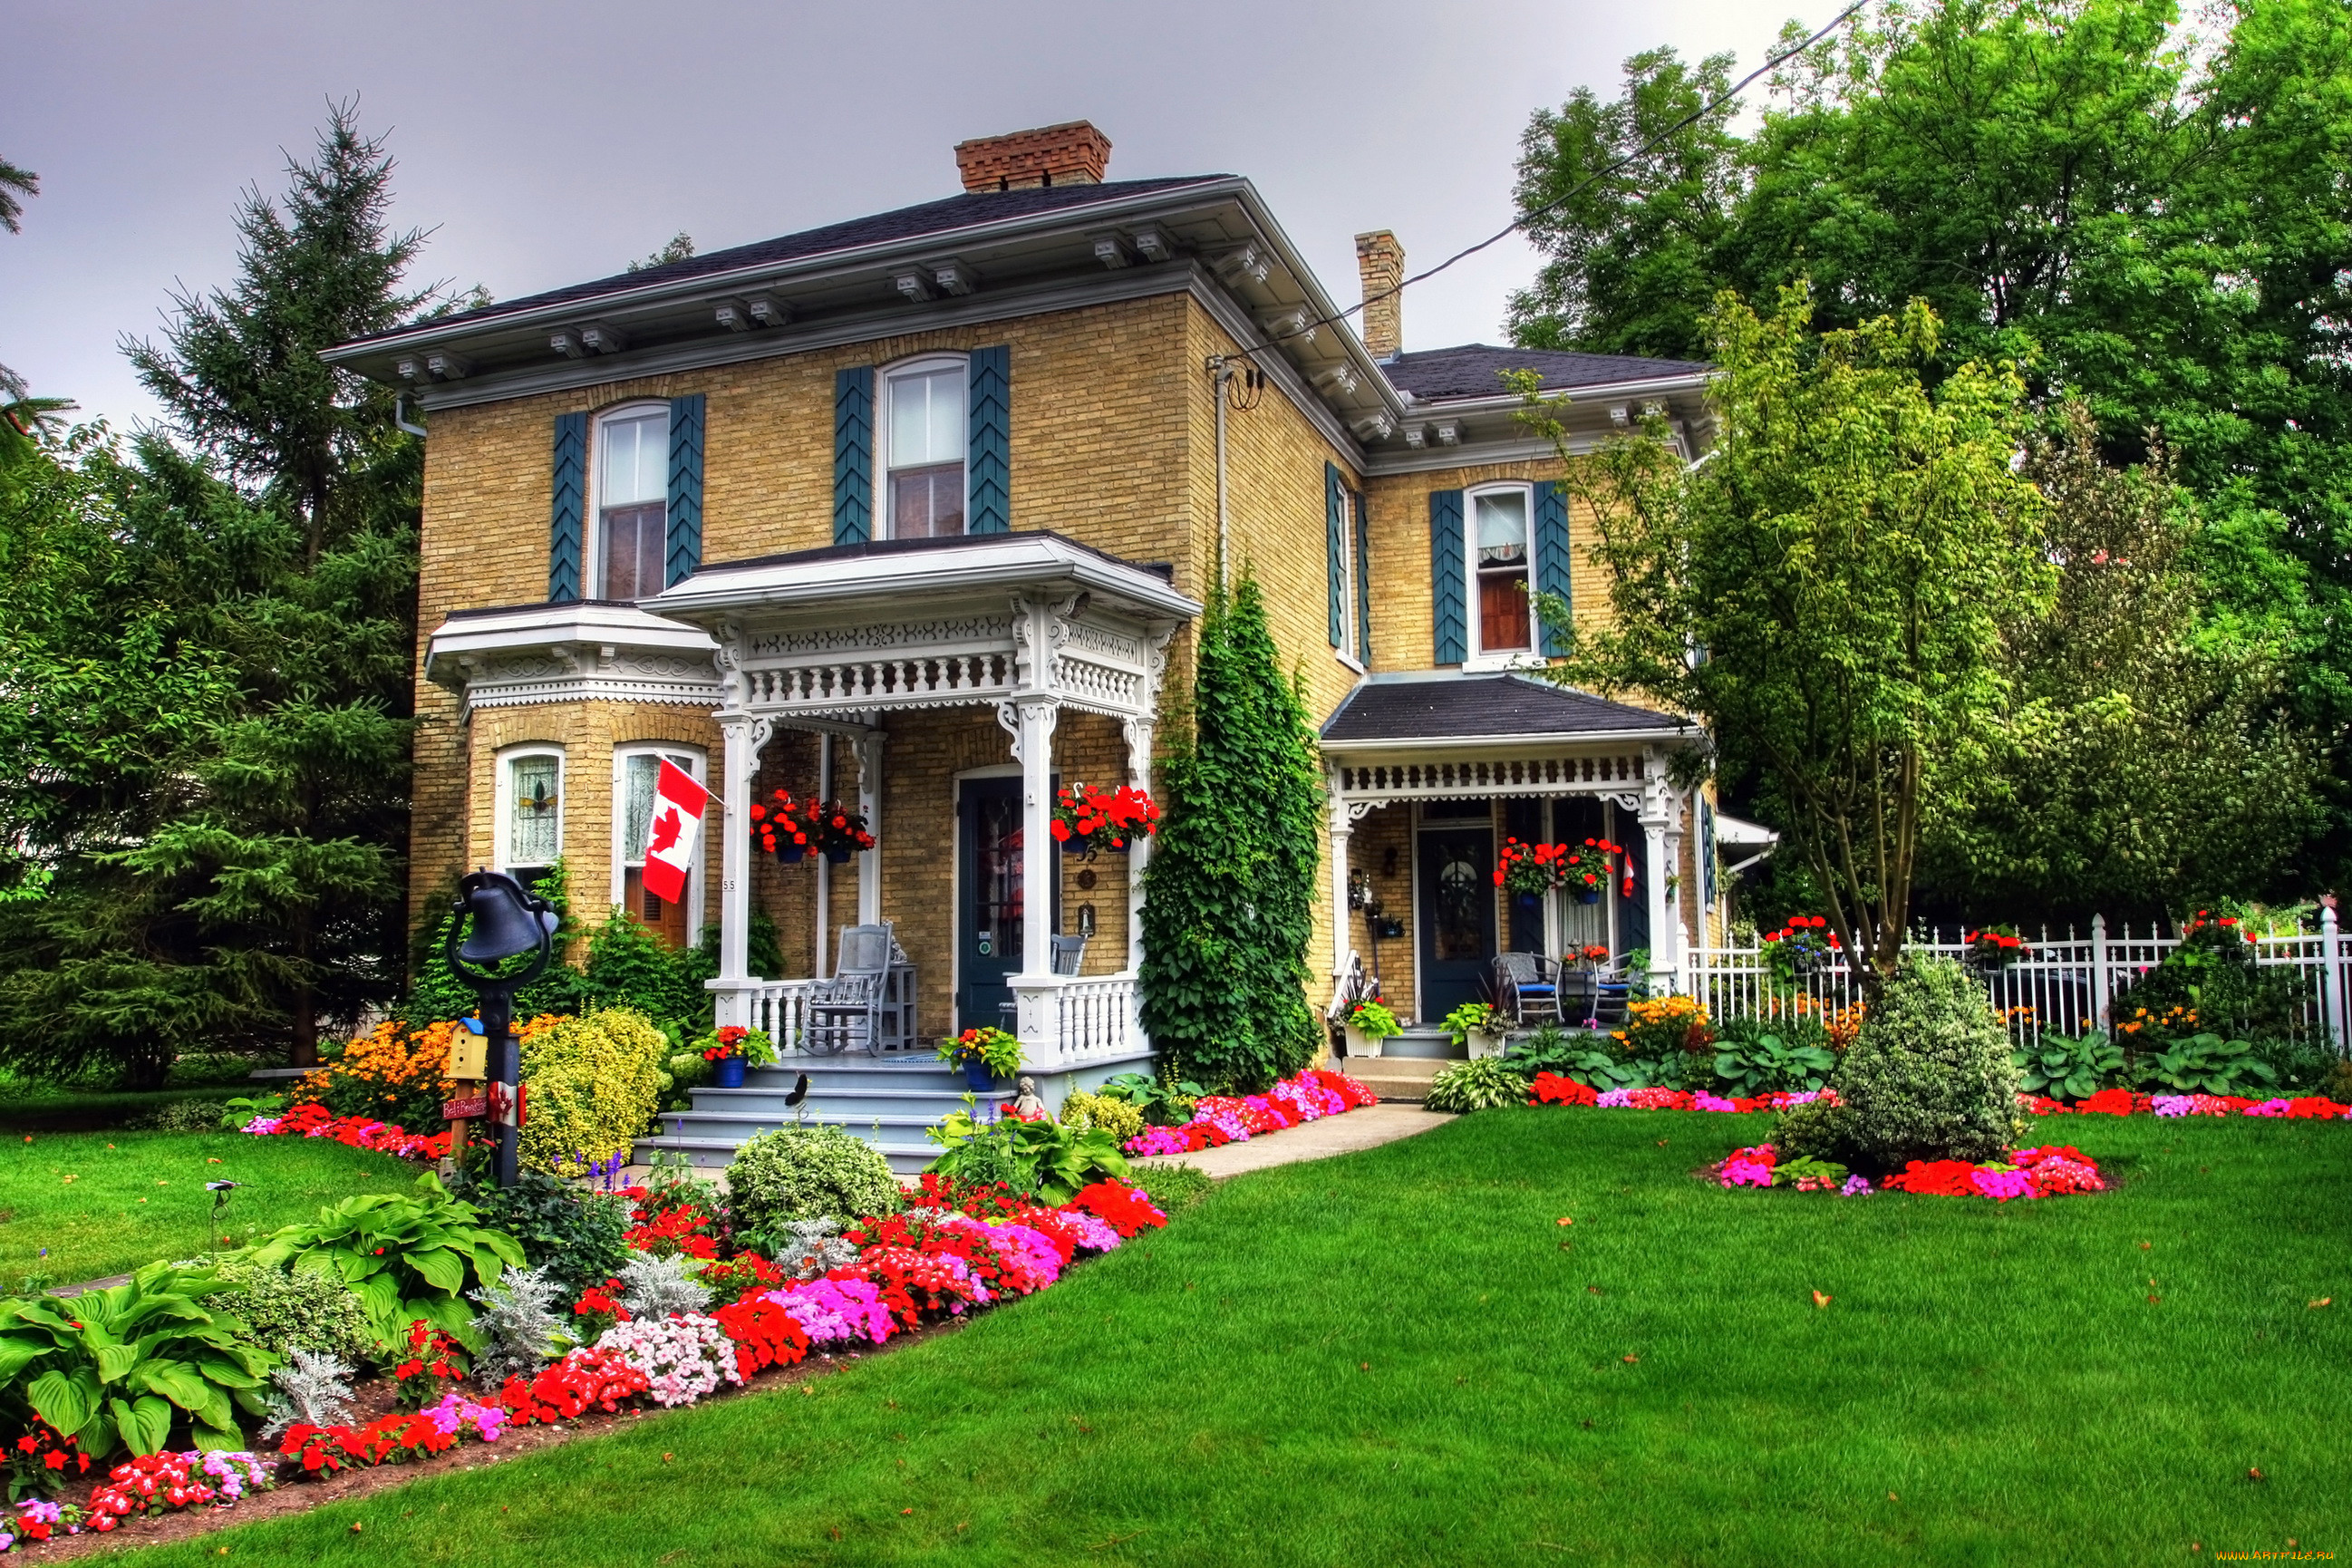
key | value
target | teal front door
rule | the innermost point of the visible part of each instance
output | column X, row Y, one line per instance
column 1457, row 918
column 991, row 906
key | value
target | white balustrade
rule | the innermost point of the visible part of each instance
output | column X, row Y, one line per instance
column 1099, row 1016
column 778, row 1007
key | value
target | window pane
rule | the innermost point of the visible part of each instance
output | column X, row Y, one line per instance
column 640, row 773
column 1502, row 528
column 635, row 459
column 535, row 820
column 634, row 539
column 1502, row 611
column 927, row 503
column 926, row 417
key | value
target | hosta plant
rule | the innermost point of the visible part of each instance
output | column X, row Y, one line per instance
column 1766, row 1061
column 1483, row 1084
column 125, row 1366
column 1042, row 1159
column 407, row 1257
column 2061, row 1069
column 2207, row 1064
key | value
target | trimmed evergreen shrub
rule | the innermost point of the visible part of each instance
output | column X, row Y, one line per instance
column 1230, row 893
column 1929, row 1078
column 1116, row 1117
column 801, row 1172
column 594, row 1081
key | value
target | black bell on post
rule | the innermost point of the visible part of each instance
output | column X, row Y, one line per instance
column 500, row 921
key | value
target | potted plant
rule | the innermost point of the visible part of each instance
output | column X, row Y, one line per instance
column 1529, row 871
column 1368, row 1023
column 785, row 825
column 1087, row 818
column 985, row 1056
column 1995, row 948
column 731, row 1048
column 1474, row 1026
column 1799, row 948
column 841, row 832
column 1587, row 868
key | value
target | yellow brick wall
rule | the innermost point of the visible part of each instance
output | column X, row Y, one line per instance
column 1397, row 506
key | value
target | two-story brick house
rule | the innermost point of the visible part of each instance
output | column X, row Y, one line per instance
column 916, row 511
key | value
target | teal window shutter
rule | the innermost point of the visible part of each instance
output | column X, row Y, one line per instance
column 1335, row 556
column 564, row 542
column 1448, row 594
column 1363, row 580
column 1552, row 556
column 990, row 478
column 685, row 526
column 852, row 454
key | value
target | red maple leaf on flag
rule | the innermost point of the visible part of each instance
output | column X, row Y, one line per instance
column 665, row 828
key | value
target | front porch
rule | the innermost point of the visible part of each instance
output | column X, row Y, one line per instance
column 944, row 688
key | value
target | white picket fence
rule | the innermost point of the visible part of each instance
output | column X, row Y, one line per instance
column 2063, row 986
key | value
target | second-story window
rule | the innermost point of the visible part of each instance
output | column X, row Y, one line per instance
column 632, row 502
column 1499, row 548
column 925, row 439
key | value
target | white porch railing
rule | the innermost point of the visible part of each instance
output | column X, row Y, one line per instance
column 2063, row 984
column 1089, row 1016
column 1097, row 1016
column 780, row 1007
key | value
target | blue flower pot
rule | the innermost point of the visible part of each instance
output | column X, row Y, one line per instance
column 838, row 856
column 1589, row 896
column 791, row 853
column 727, row 1072
column 977, row 1076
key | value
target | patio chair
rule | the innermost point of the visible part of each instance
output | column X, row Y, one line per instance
column 847, row 1010
column 1527, row 988
column 1065, row 955
column 1596, row 993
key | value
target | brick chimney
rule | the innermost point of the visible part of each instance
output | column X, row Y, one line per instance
column 1379, row 259
column 1075, row 153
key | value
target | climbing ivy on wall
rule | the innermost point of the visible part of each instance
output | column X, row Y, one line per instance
column 1229, row 896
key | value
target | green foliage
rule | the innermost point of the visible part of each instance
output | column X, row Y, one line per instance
column 998, row 1051
column 572, row 1235
column 682, row 1073
column 801, row 1172
column 1850, row 557
column 1230, row 891
column 1487, row 1083
column 2210, row 983
column 1761, row 1063
column 1165, row 1101
column 1173, row 1187
column 285, row 1308
column 594, row 1081
column 1471, row 1017
column 1116, row 1117
column 237, row 1111
column 2061, row 1069
column 1805, row 1168
column 1045, row 1160
column 1929, row 1078
column 181, row 1116
column 1375, row 1020
column 2158, row 227
column 128, row 1365
column 2207, row 1064
column 406, row 1256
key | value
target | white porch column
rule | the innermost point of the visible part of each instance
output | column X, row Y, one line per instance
column 1032, row 719
column 745, row 737
column 1139, row 732
column 1342, row 830
column 1662, row 841
column 869, row 803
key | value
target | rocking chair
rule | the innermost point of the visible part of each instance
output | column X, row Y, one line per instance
column 1066, row 955
column 847, row 1010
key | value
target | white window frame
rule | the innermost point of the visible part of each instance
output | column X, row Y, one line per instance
column 1350, row 651
column 1530, row 656
column 918, row 365
column 675, row 750
column 592, row 551
column 502, row 801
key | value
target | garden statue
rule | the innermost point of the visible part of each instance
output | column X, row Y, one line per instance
column 1025, row 1104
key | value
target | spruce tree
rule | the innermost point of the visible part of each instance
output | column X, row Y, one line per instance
column 1229, row 894
column 238, row 880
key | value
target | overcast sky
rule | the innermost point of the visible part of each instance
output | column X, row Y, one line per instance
column 545, row 144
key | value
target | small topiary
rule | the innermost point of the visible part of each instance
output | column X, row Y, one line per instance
column 1929, row 1078
column 800, row 1172
column 594, row 1082
column 283, row 1309
column 1116, row 1117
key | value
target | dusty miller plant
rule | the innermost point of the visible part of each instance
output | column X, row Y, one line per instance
column 311, row 1387
column 656, row 1286
column 521, row 1333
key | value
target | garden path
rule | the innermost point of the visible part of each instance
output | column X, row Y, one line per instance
column 1367, row 1127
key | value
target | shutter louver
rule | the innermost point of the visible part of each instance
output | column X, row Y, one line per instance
column 1363, row 582
column 1448, row 606
column 1335, row 560
column 1552, row 558
column 684, row 552
column 852, row 454
column 990, row 480
column 567, row 519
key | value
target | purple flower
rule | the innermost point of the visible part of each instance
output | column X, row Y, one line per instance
column 1855, row 1186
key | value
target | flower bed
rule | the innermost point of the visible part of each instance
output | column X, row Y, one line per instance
column 2050, row 1170
column 1218, row 1119
column 358, row 1132
column 151, row 1484
column 1551, row 1088
column 2124, row 1102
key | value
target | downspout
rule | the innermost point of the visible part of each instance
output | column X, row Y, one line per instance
column 1221, row 371
column 399, row 412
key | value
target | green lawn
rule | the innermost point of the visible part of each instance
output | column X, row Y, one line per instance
column 138, row 1197
column 1401, row 1357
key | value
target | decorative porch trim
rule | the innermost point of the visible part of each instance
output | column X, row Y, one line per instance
column 575, row 652
column 1363, row 786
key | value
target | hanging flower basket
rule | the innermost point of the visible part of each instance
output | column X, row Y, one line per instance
column 1532, row 870
column 1799, row 948
column 793, row 827
column 1995, row 948
column 1087, row 820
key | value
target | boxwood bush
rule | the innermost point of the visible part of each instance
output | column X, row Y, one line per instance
column 800, row 1172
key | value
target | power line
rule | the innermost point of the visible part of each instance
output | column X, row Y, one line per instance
column 1522, row 221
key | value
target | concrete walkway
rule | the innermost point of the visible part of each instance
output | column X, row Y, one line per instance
column 1368, row 1128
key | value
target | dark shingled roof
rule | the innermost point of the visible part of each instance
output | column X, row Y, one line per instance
column 942, row 217
column 1475, row 370
column 1480, row 705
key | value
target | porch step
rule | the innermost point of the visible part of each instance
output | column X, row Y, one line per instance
column 1423, row 1040
column 886, row 1100
column 1404, row 1079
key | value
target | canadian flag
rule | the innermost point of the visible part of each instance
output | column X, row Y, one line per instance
column 675, row 829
